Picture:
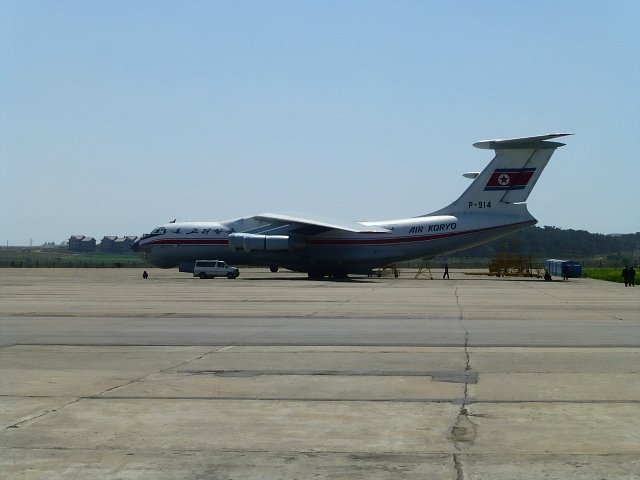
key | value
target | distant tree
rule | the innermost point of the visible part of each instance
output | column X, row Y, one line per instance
column 554, row 242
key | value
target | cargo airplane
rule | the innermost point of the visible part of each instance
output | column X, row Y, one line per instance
column 491, row 207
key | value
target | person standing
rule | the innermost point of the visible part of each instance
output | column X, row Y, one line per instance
column 625, row 276
column 632, row 276
column 446, row 271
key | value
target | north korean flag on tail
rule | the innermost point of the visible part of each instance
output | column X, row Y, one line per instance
column 509, row 178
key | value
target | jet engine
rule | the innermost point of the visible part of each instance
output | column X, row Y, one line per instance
column 252, row 242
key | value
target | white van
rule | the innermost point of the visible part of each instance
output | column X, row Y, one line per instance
column 214, row 268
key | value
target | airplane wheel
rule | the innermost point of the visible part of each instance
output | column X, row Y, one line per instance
column 202, row 275
column 273, row 269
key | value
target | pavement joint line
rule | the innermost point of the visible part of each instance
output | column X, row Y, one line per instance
column 448, row 376
column 325, row 344
column 356, row 455
column 364, row 455
column 455, row 401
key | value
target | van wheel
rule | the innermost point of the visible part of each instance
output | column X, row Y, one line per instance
column 202, row 275
column 230, row 276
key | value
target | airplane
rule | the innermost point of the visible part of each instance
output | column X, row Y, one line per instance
column 494, row 205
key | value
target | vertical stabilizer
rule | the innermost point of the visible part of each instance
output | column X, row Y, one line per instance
column 510, row 176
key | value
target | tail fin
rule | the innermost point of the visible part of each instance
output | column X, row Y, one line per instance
column 510, row 176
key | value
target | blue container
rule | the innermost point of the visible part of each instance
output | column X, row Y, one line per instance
column 555, row 268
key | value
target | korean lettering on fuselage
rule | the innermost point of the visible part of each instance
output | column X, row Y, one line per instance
column 204, row 231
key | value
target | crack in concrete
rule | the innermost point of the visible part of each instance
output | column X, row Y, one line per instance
column 135, row 380
column 464, row 430
column 458, row 467
column 42, row 414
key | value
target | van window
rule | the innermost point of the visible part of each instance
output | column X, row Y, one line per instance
column 200, row 263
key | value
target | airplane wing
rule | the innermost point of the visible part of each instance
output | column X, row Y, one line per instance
column 313, row 226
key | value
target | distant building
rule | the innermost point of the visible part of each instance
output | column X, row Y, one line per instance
column 113, row 244
column 109, row 244
column 80, row 243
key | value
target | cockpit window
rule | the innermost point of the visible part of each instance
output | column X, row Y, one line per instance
column 159, row 231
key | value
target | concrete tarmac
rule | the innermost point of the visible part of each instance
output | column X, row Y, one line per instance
column 106, row 375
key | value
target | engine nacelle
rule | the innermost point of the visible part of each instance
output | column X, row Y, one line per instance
column 252, row 242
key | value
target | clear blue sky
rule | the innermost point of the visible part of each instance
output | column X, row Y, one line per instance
column 117, row 116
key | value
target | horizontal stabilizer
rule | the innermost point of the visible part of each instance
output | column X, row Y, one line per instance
column 524, row 142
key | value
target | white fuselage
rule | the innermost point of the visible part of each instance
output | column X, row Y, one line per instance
column 329, row 251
